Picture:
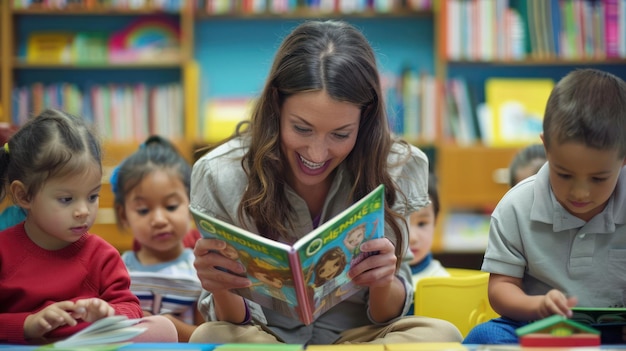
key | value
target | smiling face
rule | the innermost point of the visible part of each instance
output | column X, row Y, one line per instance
column 329, row 269
column 317, row 133
column 583, row 178
column 354, row 237
column 157, row 212
column 64, row 209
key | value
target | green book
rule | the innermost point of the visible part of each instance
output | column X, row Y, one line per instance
column 306, row 279
column 600, row 316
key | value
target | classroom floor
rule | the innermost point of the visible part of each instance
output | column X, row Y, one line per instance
column 292, row 347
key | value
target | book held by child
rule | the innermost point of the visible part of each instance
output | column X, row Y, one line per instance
column 598, row 316
column 166, row 294
column 307, row 278
column 103, row 332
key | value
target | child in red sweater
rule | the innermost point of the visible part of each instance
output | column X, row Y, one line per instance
column 55, row 277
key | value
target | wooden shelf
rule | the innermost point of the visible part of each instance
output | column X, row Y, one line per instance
column 307, row 13
column 544, row 62
column 97, row 11
column 166, row 62
column 466, row 175
column 20, row 64
column 468, row 180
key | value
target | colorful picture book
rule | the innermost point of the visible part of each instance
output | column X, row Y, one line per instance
column 517, row 106
column 306, row 279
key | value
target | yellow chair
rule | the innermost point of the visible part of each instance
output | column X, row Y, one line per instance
column 460, row 299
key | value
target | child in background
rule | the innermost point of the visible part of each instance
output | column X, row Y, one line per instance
column 12, row 214
column 55, row 277
column 421, row 233
column 151, row 189
column 526, row 163
column 557, row 240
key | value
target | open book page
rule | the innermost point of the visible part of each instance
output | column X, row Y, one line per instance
column 113, row 329
column 166, row 294
column 268, row 264
column 327, row 257
column 600, row 316
column 275, row 269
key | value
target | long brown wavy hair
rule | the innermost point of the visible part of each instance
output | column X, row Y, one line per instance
column 335, row 57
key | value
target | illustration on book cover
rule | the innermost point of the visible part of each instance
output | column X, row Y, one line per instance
column 304, row 280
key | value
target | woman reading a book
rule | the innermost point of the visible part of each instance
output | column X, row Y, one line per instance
column 317, row 141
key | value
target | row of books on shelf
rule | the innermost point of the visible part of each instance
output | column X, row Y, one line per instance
column 423, row 109
column 488, row 30
column 157, row 5
column 145, row 39
column 413, row 104
column 214, row 7
column 117, row 112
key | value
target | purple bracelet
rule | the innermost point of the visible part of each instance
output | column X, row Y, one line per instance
column 248, row 318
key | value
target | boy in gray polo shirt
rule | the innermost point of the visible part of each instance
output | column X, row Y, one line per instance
column 558, row 240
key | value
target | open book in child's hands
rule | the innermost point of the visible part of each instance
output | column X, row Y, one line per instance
column 113, row 329
column 165, row 293
column 306, row 279
column 599, row 316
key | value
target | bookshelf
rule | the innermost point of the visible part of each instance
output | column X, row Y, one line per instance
column 226, row 53
column 5, row 59
column 17, row 70
column 199, row 45
column 106, row 61
column 552, row 45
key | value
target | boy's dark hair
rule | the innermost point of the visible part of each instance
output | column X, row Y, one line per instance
column 52, row 144
column 587, row 106
column 524, row 157
column 156, row 153
column 433, row 193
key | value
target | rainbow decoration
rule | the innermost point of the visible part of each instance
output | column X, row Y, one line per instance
column 147, row 39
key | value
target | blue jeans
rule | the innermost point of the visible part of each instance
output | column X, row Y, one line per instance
column 496, row 331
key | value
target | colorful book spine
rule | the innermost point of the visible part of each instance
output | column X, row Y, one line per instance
column 611, row 28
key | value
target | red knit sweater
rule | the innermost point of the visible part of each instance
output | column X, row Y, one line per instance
column 32, row 278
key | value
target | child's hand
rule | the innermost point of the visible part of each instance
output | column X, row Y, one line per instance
column 555, row 302
column 92, row 309
column 379, row 268
column 53, row 316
